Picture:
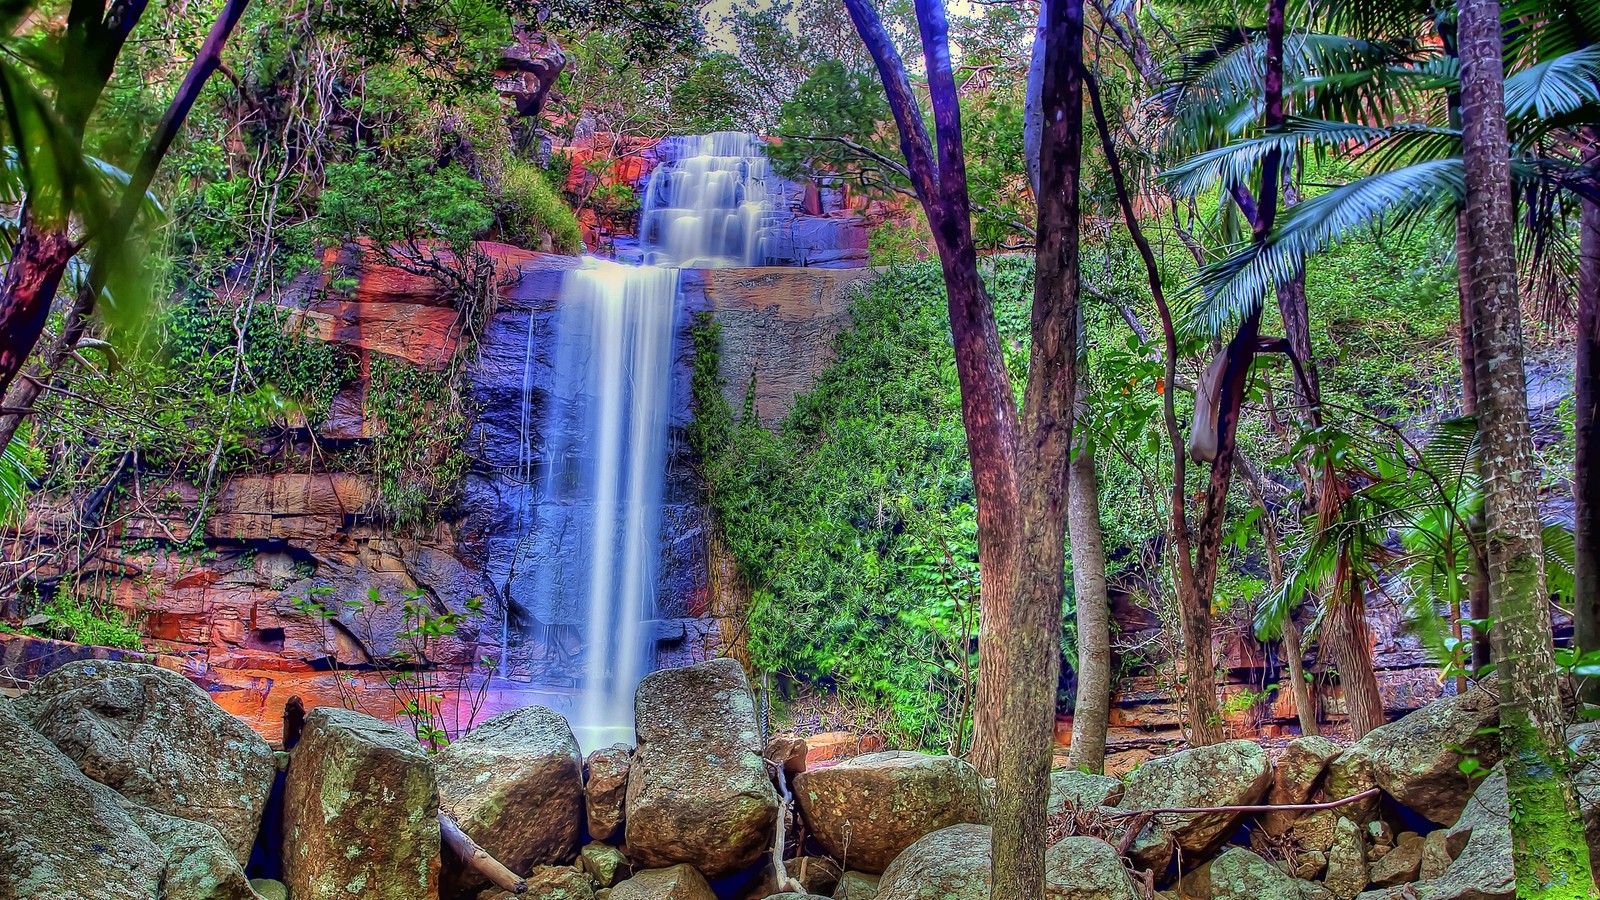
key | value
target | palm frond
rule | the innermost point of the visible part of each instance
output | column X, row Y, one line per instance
column 1555, row 87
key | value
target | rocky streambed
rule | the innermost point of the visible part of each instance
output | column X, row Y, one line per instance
column 123, row 780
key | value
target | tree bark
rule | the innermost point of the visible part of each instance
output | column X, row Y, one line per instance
column 1586, row 462
column 1091, row 716
column 1019, row 461
column 38, row 260
column 1347, row 636
column 1548, row 847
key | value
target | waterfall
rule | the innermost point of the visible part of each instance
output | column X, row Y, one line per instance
column 591, row 547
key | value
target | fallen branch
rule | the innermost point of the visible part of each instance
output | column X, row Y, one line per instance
column 783, row 881
column 478, row 859
column 1287, row 807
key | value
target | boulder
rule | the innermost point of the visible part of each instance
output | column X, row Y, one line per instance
column 1233, row 773
column 1314, row 831
column 678, row 882
column 605, row 864
column 1402, row 864
column 61, row 834
column 269, row 889
column 868, row 809
column 1071, row 789
column 360, row 812
column 1239, row 874
column 559, row 883
column 199, row 863
column 792, row 895
column 949, row 864
column 1296, row 776
column 1417, row 759
column 515, row 786
column 856, row 886
column 605, row 791
column 159, row 741
column 1086, row 868
column 1350, row 773
column 1347, row 873
column 1480, row 842
column 1310, row 864
column 698, row 790
column 1435, row 855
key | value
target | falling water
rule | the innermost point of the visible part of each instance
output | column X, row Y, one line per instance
column 593, row 547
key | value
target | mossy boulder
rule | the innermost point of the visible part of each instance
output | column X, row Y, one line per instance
column 360, row 812
column 515, row 785
column 1232, row 773
column 856, row 886
column 698, row 789
column 949, row 864
column 1417, row 759
column 1086, row 868
column 680, row 882
column 1073, row 790
column 61, row 834
column 1239, row 874
column 868, row 809
column 158, row 740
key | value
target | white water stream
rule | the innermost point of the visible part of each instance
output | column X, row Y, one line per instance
column 595, row 560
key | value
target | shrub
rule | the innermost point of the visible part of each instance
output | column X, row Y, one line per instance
column 532, row 213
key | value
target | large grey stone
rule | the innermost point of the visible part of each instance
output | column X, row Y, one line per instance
column 515, row 785
column 868, row 809
column 698, row 789
column 856, row 886
column 1480, row 841
column 360, row 812
column 1348, row 873
column 949, row 864
column 1239, row 874
column 61, row 834
column 1070, row 789
column 1417, row 759
column 1232, row 773
column 199, row 863
column 680, row 882
column 1295, row 777
column 159, row 741
column 1086, row 868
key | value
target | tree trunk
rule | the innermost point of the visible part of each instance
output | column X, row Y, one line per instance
column 1586, row 462
column 1019, row 461
column 1305, row 705
column 38, row 260
column 1548, row 848
column 1091, row 716
column 1345, row 632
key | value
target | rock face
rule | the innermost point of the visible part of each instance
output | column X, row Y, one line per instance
column 515, row 785
column 678, row 882
column 867, row 810
column 606, row 791
column 62, row 835
column 159, row 741
column 1234, row 773
column 698, row 790
column 1416, row 759
column 950, row 864
column 1085, row 868
column 1239, row 874
column 360, row 812
column 1481, row 843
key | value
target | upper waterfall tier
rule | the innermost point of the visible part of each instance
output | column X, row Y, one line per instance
column 710, row 203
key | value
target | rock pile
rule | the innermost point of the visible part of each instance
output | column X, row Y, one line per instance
column 125, row 781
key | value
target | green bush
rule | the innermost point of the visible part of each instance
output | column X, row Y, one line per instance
column 531, row 212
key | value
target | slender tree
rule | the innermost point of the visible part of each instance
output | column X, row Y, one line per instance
column 1019, row 458
column 1091, row 715
column 1548, row 847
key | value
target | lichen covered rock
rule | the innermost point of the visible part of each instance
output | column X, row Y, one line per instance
column 868, row 809
column 605, row 791
column 1086, row 868
column 1239, row 874
column 515, row 785
column 360, row 812
column 698, row 789
column 949, row 864
column 680, row 882
column 1232, row 773
column 159, row 741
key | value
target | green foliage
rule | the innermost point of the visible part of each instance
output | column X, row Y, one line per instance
column 409, row 202
column 854, row 519
column 69, row 616
column 532, row 213
column 419, row 459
